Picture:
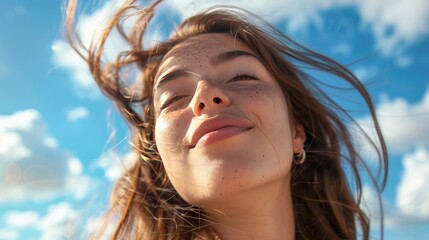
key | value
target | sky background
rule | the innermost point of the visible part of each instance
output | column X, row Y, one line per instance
column 62, row 144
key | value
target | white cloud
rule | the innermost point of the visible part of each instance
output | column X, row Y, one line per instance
column 77, row 114
column 342, row 48
column 89, row 26
column 75, row 166
column 395, row 23
column 404, row 124
column 61, row 221
column 8, row 234
column 393, row 216
column 65, row 57
column 97, row 226
column 365, row 73
column 115, row 164
column 16, row 219
column 32, row 165
column 412, row 192
column 370, row 204
column 412, row 198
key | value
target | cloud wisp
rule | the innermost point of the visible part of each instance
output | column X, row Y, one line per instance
column 77, row 113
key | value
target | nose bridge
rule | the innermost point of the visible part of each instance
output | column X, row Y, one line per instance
column 205, row 89
column 205, row 92
column 208, row 96
column 203, row 86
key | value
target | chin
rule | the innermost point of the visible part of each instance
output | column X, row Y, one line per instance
column 210, row 199
column 220, row 186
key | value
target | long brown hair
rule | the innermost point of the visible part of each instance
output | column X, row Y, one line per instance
column 144, row 204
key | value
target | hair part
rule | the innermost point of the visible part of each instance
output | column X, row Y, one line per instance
column 145, row 203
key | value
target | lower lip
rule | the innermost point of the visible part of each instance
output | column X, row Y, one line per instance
column 219, row 135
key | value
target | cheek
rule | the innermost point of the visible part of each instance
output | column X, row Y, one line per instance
column 269, row 107
column 170, row 130
column 277, row 113
column 268, row 103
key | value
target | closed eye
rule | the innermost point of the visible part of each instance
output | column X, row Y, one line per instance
column 172, row 100
column 242, row 77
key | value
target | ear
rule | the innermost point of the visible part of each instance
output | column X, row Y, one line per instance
column 298, row 137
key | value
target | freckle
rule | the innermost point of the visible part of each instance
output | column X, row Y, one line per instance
column 223, row 178
column 235, row 170
column 241, row 185
column 257, row 92
column 263, row 155
column 263, row 176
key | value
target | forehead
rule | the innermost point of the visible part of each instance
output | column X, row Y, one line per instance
column 200, row 49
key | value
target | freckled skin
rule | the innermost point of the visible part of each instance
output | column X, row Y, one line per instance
column 250, row 160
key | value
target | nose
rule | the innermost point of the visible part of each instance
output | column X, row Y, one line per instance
column 208, row 97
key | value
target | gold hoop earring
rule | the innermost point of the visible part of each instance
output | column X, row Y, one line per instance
column 300, row 157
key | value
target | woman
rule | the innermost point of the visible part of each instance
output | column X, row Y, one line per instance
column 234, row 139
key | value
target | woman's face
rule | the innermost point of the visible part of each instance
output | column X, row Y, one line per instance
column 222, row 123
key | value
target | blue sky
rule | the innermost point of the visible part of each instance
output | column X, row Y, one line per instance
column 62, row 144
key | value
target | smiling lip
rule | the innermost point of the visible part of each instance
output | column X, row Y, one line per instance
column 218, row 128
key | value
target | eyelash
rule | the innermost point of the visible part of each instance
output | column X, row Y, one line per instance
column 171, row 101
column 238, row 77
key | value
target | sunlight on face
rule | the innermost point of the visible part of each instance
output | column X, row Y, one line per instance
column 222, row 125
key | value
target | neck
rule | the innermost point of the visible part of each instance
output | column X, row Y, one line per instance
column 261, row 214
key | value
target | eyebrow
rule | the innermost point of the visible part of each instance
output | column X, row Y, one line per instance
column 221, row 58
column 230, row 55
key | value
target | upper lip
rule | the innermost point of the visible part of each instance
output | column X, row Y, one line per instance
column 215, row 123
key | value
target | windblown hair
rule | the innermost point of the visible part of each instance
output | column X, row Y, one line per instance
column 144, row 204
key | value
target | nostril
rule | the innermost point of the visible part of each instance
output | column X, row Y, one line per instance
column 217, row 100
column 201, row 105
